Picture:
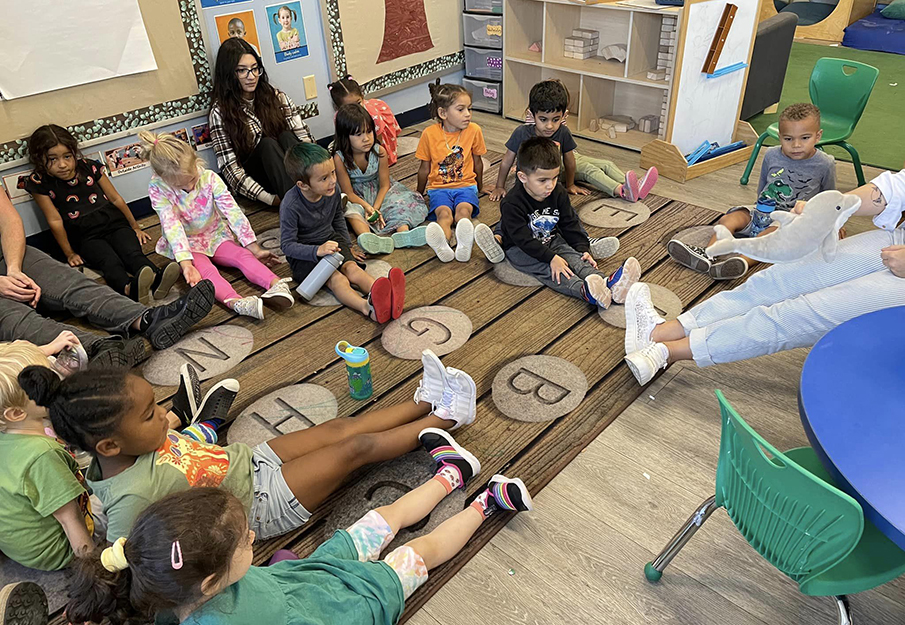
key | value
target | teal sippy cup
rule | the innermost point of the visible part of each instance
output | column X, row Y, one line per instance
column 358, row 368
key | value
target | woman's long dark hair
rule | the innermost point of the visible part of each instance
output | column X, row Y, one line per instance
column 228, row 97
column 350, row 119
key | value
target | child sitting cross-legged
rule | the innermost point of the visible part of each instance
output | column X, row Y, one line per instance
column 312, row 225
column 188, row 558
column 44, row 508
column 139, row 459
column 543, row 237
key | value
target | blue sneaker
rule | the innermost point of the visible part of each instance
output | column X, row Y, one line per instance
column 416, row 237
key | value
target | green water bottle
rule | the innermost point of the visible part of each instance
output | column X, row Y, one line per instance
column 358, row 368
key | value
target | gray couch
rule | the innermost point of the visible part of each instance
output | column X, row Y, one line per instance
column 769, row 59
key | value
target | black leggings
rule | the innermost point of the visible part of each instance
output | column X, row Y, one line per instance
column 265, row 165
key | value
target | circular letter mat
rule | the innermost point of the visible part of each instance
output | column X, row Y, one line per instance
column 539, row 388
column 696, row 235
column 211, row 351
column 376, row 269
column 667, row 304
column 508, row 274
column 270, row 241
column 285, row 410
column 614, row 213
column 438, row 328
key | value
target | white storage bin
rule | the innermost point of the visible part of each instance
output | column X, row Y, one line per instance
column 480, row 63
column 484, row 6
column 485, row 31
column 485, row 96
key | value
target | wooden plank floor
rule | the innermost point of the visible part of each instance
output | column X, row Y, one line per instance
column 509, row 322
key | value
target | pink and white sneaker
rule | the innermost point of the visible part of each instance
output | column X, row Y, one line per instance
column 648, row 182
column 631, row 187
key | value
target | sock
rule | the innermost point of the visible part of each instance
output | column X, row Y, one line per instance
column 485, row 504
column 201, row 433
column 145, row 320
column 449, row 476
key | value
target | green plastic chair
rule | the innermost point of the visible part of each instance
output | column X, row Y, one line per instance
column 841, row 99
column 787, row 508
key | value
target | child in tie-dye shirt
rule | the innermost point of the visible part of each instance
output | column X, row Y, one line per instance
column 200, row 222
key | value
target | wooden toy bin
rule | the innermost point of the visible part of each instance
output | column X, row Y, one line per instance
column 671, row 163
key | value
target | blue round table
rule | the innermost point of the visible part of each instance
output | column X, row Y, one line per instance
column 852, row 405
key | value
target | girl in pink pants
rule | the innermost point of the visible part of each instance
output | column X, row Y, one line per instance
column 200, row 223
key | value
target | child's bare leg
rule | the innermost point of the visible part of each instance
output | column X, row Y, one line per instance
column 402, row 228
column 734, row 221
column 679, row 350
column 463, row 211
column 347, row 296
column 444, row 217
column 448, row 539
column 670, row 331
column 413, row 506
column 358, row 276
column 357, row 225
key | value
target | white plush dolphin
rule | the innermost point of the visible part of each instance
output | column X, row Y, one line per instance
column 816, row 228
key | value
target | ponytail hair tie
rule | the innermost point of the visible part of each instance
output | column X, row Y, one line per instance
column 113, row 558
column 156, row 139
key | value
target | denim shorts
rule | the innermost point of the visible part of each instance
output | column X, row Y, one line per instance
column 274, row 510
column 452, row 197
column 757, row 223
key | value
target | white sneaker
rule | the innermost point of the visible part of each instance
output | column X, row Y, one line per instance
column 640, row 318
column 597, row 288
column 624, row 278
column 646, row 362
column 433, row 380
column 466, row 396
column 251, row 306
column 464, row 240
column 436, row 239
column 483, row 236
column 279, row 297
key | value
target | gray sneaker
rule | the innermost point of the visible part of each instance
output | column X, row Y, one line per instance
column 603, row 247
column 690, row 256
column 729, row 269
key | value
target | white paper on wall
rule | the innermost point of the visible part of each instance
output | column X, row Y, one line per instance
column 44, row 47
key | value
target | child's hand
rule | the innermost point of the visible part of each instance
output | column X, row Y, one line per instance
column 586, row 257
column 576, row 190
column 325, row 249
column 358, row 254
column 894, row 258
column 143, row 237
column 64, row 340
column 842, row 232
column 191, row 274
column 497, row 194
column 559, row 267
column 265, row 256
column 799, row 207
column 75, row 260
column 369, row 211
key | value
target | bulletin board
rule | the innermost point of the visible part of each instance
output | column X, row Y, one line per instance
column 396, row 42
column 180, row 86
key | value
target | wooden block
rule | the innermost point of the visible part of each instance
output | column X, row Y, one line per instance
column 611, row 131
column 585, row 33
column 719, row 38
column 659, row 74
column 593, row 125
column 649, row 123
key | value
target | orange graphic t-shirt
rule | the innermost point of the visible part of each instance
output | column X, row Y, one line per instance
column 451, row 155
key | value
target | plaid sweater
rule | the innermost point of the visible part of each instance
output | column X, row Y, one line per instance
column 227, row 159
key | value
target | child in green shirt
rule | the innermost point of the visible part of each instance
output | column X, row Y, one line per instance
column 44, row 509
column 189, row 557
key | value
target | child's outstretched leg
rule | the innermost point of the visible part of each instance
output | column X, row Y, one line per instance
column 696, row 258
column 277, row 294
column 439, row 232
column 464, row 231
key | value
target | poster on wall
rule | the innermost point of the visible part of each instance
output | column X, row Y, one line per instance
column 287, row 30
column 123, row 159
column 207, row 4
column 201, row 135
column 240, row 25
column 15, row 192
column 183, row 135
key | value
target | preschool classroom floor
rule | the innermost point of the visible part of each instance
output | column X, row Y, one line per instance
column 579, row 557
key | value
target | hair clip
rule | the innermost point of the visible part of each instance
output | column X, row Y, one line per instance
column 176, row 555
column 330, row 86
column 156, row 139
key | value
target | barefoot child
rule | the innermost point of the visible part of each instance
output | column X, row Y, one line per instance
column 200, row 222
column 89, row 220
column 363, row 174
column 543, row 237
column 795, row 171
column 451, row 171
column 138, row 459
column 348, row 91
column 189, row 558
column 312, row 226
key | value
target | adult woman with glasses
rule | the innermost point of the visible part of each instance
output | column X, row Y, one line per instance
column 252, row 125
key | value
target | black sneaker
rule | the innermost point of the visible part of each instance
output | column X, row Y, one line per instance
column 140, row 289
column 117, row 353
column 23, row 603
column 167, row 324
column 191, row 407
column 444, row 449
column 690, row 256
column 165, row 279
column 510, row 494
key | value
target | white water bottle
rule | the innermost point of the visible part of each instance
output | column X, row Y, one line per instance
column 319, row 275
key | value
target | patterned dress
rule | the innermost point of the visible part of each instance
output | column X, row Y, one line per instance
column 401, row 206
column 385, row 125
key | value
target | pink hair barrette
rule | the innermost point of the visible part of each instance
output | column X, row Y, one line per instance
column 176, row 555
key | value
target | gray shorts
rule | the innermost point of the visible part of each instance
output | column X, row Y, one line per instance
column 274, row 510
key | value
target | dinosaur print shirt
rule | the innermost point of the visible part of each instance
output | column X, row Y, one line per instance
column 180, row 463
column 786, row 181
column 451, row 155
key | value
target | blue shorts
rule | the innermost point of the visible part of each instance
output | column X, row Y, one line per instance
column 758, row 222
column 452, row 197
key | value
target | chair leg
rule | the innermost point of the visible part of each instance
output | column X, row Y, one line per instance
column 654, row 570
column 753, row 158
column 856, row 161
column 843, row 610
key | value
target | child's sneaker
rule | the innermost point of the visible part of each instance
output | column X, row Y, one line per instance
column 645, row 362
column 503, row 493
column 640, row 318
column 483, row 236
column 380, row 300
column 416, row 237
column 165, row 280
column 596, row 291
column 729, row 269
column 23, row 603
column 191, row 407
column 455, row 464
column 114, row 352
column 251, row 306
column 603, row 247
column 373, row 244
column 623, row 278
column 465, row 397
column 140, row 289
column 464, row 240
column 433, row 379
column 397, row 292
column 436, row 239
column 691, row 256
column 279, row 296
column 631, row 187
column 647, row 183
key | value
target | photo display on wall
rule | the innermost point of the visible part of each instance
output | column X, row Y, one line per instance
column 287, row 31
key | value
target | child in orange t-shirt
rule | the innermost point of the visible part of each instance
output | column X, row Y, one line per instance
column 453, row 173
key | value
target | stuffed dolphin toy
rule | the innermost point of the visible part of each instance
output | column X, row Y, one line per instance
column 816, row 228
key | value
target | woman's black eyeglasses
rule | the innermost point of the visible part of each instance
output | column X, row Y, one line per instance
column 243, row 72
